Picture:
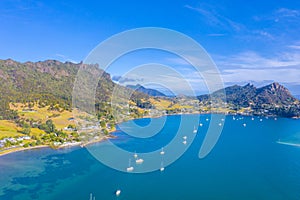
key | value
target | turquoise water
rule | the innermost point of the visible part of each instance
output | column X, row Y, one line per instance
column 246, row 163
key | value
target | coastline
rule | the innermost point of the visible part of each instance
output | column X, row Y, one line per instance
column 18, row 149
column 73, row 144
column 110, row 136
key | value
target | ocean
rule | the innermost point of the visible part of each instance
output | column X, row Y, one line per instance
column 258, row 160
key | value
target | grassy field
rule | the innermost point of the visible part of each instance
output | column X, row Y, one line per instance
column 163, row 104
column 62, row 120
column 160, row 104
column 8, row 129
column 59, row 118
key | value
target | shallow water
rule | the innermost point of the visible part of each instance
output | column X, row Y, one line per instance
column 246, row 163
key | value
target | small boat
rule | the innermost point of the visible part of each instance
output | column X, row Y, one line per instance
column 207, row 119
column 129, row 169
column 261, row 120
column 200, row 124
column 184, row 142
column 139, row 161
column 195, row 130
column 252, row 118
column 118, row 192
column 162, row 167
column 244, row 125
column 220, row 124
column 222, row 119
column 135, row 155
column 184, row 137
column 162, row 151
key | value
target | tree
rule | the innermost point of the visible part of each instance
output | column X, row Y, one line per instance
column 50, row 125
column 26, row 129
column 102, row 124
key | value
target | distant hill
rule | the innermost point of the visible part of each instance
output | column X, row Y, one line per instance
column 274, row 99
column 148, row 91
column 50, row 82
column 248, row 94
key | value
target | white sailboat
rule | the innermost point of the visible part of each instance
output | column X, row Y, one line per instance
column 118, row 192
column 162, row 166
column 139, row 161
column 129, row 168
column 162, row 152
column 195, row 130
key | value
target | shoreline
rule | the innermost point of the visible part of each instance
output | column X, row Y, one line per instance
column 64, row 146
column 110, row 136
column 19, row 149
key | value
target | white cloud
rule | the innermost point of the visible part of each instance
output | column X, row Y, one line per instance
column 294, row 46
column 285, row 12
column 216, row 34
column 264, row 34
column 252, row 67
column 252, row 60
column 213, row 18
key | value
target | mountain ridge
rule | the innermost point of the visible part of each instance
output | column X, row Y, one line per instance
column 149, row 91
column 273, row 98
column 50, row 82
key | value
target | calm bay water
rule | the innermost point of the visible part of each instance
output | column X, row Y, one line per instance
column 247, row 163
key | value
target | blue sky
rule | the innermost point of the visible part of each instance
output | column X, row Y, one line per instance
column 254, row 41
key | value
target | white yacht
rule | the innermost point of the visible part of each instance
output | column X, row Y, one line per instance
column 139, row 161
column 118, row 192
column 129, row 168
column 195, row 130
